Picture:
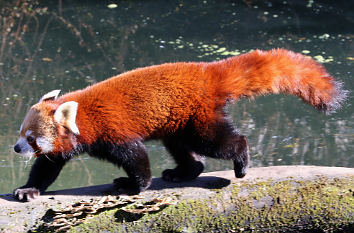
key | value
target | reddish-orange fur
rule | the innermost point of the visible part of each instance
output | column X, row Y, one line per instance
column 154, row 101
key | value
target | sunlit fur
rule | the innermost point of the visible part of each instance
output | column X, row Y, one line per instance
column 158, row 100
column 181, row 103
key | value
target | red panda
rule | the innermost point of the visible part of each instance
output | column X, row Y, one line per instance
column 180, row 103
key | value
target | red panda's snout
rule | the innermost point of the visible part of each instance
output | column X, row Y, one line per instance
column 30, row 145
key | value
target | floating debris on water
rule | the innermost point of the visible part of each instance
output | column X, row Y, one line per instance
column 112, row 6
column 203, row 48
column 324, row 36
column 47, row 59
column 321, row 59
column 218, row 52
column 309, row 3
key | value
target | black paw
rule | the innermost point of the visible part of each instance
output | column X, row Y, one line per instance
column 241, row 164
column 240, row 170
column 26, row 194
column 127, row 186
column 183, row 174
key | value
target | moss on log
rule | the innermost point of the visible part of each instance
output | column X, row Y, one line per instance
column 321, row 204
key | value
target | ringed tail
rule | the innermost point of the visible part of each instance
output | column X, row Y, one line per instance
column 280, row 71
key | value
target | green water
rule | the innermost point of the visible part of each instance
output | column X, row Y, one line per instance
column 65, row 45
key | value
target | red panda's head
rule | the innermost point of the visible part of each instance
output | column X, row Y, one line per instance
column 49, row 127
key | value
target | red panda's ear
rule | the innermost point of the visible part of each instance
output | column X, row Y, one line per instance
column 66, row 116
column 53, row 95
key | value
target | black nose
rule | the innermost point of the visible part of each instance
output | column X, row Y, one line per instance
column 17, row 148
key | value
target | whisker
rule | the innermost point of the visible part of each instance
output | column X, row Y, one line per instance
column 27, row 161
column 49, row 159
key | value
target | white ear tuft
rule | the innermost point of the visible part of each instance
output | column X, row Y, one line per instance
column 66, row 116
column 53, row 95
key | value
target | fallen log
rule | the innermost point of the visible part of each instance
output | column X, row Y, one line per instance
column 319, row 203
column 270, row 199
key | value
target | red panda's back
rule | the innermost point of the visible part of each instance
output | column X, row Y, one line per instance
column 147, row 102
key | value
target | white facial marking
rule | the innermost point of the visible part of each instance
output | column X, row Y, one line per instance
column 28, row 132
column 26, row 149
column 45, row 144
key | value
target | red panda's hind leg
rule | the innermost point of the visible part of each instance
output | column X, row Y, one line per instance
column 223, row 141
column 218, row 140
column 189, row 164
column 241, row 161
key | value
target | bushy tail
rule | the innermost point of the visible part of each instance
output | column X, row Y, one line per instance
column 279, row 70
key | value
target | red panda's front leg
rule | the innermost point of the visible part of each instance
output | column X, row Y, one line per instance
column 43, row 173
column 134, row 160
column 137, row 168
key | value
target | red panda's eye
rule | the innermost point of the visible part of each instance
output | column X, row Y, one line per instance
column 66, row 130
column 30, row 139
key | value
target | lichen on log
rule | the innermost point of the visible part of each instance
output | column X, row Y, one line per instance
column 322, row 204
